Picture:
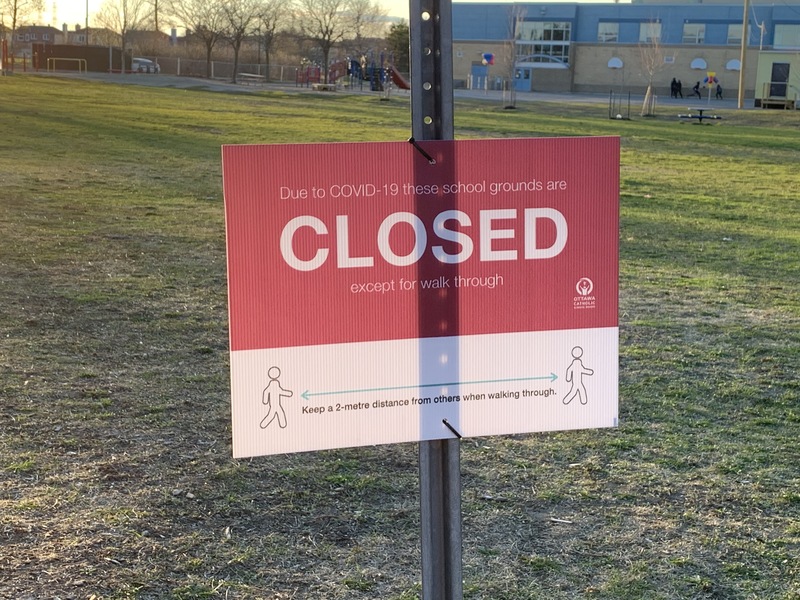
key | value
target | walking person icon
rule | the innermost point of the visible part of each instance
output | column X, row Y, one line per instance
column 575, row 373
column 272, row 397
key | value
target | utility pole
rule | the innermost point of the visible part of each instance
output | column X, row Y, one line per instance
column 743, row 53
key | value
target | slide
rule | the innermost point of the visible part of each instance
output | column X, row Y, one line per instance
column 398, row 79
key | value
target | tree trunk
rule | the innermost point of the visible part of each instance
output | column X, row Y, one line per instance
column 325, row 53
column 509, row 94
column 209, row 49
column 648, row 106
column 236, row 48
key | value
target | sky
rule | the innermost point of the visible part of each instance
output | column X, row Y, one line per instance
column 73, row 12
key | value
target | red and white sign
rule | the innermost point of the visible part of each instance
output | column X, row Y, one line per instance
column 377, row 297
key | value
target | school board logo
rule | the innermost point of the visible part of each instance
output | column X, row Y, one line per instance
column 584, row 286
column 584, row 299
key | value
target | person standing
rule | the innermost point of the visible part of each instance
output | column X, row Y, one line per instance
column 696, row 90
column 719, row 92
column 679, row 88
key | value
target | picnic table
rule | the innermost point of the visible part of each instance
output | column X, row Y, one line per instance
column 700, row 114
column 248, row 78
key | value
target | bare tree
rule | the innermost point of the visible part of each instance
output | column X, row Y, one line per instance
column 155, row 12
column 241, row 21
column 326, row 22
column 269, row 20
column 203, row 19
column 367, row 21
column 101, row 36
column 18, row 11
column 123, row 16
column 651, row 55
column 516, row 15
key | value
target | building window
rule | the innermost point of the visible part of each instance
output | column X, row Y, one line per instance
column 650, row 32
column 543, row 53
column 607, row 32
column 544, row 31
column 694, row 33
column 543, row 41
column 81, row 39
column 786, row 36
column 33, row 36
column 735, row 34
column 45, row 37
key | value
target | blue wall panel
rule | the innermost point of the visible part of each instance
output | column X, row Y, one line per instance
column 475, row 21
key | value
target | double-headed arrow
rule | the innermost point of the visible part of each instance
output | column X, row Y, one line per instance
column 308, row 395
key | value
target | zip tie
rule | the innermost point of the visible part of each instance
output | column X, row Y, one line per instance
column 451, row 428
column 414, row 143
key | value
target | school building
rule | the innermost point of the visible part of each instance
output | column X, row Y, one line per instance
column 575, row 47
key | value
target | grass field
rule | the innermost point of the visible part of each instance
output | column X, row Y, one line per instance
column 116, row 476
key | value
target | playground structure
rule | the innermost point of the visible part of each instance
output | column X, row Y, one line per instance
column 9, row 62
column 378, row 72
column 698, row 114
column 307, row 76
column 398, row 79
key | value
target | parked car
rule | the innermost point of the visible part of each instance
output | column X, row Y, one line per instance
column 144, row 65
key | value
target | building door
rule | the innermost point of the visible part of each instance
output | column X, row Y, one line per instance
column 479, row 76
column 522, row 79
column 778, row 80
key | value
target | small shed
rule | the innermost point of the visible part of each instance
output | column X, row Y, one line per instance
column 778, row 80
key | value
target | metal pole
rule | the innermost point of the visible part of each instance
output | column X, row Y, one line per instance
column 440, row 502
column 431, row 41
column 743, row 53
column 431, row 70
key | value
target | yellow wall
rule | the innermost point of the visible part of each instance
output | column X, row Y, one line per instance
column 593, row 75
column 764, row 73
column 589, row 70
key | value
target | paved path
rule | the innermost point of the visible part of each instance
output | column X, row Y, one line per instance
column 198, row 83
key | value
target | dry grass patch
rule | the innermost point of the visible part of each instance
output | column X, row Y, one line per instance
column 115, row 473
